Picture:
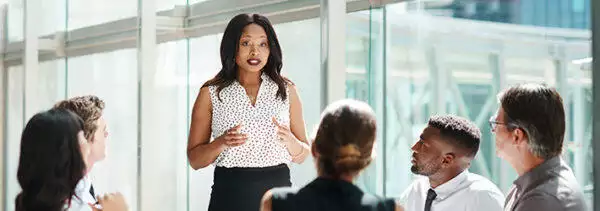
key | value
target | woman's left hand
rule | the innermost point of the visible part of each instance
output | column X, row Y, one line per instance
column 284, row 133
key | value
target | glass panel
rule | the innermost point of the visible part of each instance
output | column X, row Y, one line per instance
column 52, row 17
column 364, row 68
column 15, row 20
column 169, row 108
column 578, row 141
column 112, row 77
column 443, row 59
column 409, row 103
column 13, row 129
column 201, row 70
column 83, row 13
column 300, row 44
column 46, row 87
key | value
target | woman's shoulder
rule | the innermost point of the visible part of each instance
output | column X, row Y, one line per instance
column 288, row 82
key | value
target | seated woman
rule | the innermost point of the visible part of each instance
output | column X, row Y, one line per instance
column 52, row 163
column 342, row 148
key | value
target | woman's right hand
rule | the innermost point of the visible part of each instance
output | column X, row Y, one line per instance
column 232, row 138
column 111, row 202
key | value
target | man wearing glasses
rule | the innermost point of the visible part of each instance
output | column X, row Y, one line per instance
column 530, row 127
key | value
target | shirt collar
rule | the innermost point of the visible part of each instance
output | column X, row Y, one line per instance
column 82, row 190
column 449, row 187
column 537, row 172
column 264, row 76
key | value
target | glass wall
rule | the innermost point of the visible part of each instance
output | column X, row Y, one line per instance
column 182, row 66
column 409, row 60
column 428, row 60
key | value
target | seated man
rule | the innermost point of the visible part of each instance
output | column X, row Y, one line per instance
column 89, row 109
column 530, row 130
column 443, row 154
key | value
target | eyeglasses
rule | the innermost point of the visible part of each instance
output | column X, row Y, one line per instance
column 493, row 123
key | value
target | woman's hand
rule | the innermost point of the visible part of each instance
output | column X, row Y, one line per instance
column 232, row 138
column 111, row 202
column 284, row 133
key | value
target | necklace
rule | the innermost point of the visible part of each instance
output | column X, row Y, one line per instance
column 252, row 98
column 249, row 93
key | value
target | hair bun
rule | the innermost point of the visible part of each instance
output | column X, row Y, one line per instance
column 349, row 150
column 349, row 160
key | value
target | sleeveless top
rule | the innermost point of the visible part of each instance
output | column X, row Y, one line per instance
column 263, row 148
column 330, row 195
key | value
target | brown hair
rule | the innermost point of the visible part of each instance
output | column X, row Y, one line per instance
column 89, row 108
column 345, row 138
column 538, row 111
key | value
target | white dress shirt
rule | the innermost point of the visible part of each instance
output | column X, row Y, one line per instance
column 82, row 198
column 466, row 191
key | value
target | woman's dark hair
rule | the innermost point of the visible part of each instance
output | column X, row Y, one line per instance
column 51, row 163
column 345, row 138
column 229, row 48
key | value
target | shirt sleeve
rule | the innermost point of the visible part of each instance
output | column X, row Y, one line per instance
column 487, row 200
column 538, row 201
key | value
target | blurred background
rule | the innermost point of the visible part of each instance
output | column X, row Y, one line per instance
column 408, row 59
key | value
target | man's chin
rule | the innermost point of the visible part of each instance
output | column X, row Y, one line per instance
column 414, row 169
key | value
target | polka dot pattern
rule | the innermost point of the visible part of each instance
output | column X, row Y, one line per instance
column 262, row 149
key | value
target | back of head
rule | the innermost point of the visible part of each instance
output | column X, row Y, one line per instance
column 537, row 110
column 345, row 138
column 51, row 161
column 89, row 108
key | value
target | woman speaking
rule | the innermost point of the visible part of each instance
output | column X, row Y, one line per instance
column 254, row 115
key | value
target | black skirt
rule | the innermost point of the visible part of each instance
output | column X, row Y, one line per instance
column 241, row 189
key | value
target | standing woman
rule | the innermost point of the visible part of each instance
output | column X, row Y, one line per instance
column 254, row 115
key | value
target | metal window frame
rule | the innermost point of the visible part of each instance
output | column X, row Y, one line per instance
column 596, row 98
column 333, row 50
column 3, row 106
column 181, row 22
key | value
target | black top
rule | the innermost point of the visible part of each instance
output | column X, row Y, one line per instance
column 330, row 195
